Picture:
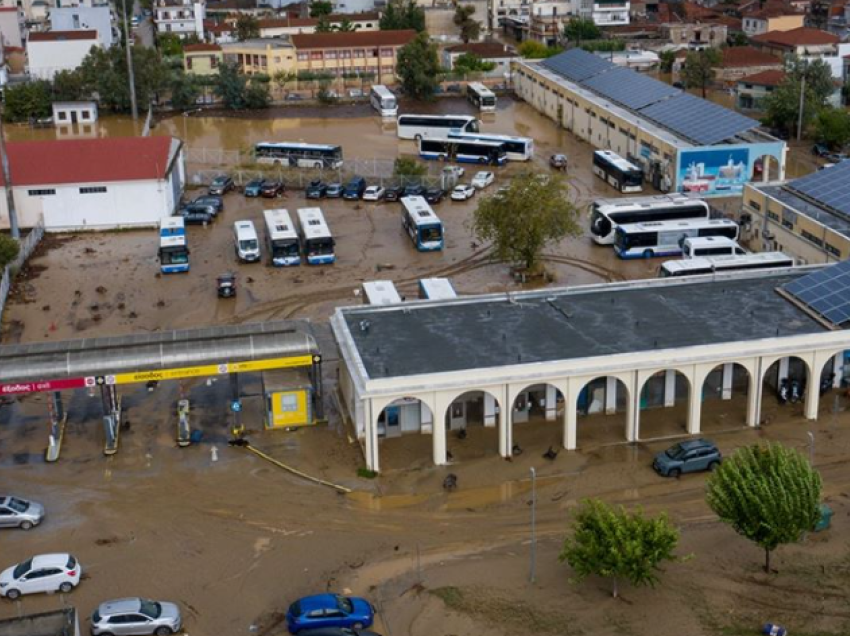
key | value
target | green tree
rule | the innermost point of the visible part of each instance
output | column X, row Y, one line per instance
column 818, row 74
column 282, row 78
column 615, row 544
column 9, row 249
column 28, row 100
column 832, row 127
column 768, row 494
column 247, row 27
column 418, row 66
column 469, row 29
column 782, row 106
column 323, row 25
column 737, row 38
column 521, row 221
column 257, row 94
column 471, row 63
column 579, row 29
column 403, row 14
column 185, row 90
column 104, row 72
column 346, row 26
column 230, row 86
column 666, row 61
column 68, row 86
column 534, row 50
column 698, row 69
column 170, row 44
column 319, row 8
column 407, row 167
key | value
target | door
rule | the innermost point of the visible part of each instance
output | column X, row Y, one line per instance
column 8, row 518
column 136, row 624
column 393, row 421
column 73, row 117
column 33, row 582
column 118, row 625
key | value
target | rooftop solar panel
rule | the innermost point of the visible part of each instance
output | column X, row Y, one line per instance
column 825, row 292
column 577, row 65
column 697, row 119
column 628, row 88
column 830, row 187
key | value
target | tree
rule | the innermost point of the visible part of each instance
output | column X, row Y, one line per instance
column 28, row 100
column 346, row 26
column 469, row 29
column 230, row 86
column 666, row 61
column 257, row 94
column 578, row 29
column 403, row 14
column 782, row 106
column 737, row 38
column 9, row 249
column 769, row 494
column 520, row 222
column 406, row 167
column 418, row 66
column 185, row 90
column 104, row 72
column 534, row 50
column 247, row 27
column 319, row 8
column 323, row 25
column 818, row 76
column 615, row 544
column 170, row 44
column 832, row 127
column 471, row 63
column 698, row 69
column 68, row 86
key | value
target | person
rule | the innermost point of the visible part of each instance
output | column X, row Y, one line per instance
column 237, row 431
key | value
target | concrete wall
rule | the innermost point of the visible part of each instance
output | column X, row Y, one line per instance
column 48, row 58
column 76, row 18
column 10, row 27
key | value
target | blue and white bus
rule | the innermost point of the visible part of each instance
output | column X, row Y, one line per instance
column 607, row 214
column 436, row 289
column 463, row 151
column 516, row 148
column 421, row 224
column 617, row 172
column 173, row 247
column 418, row 126
column 299, row 155
column 383, row 101
column 480, row 96
column 665, row 238
column 284, row 246
column 316, row 238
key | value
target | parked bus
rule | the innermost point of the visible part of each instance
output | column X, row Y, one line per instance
column 418, row 126
column 436, row 289
column 421, row 224
column 300, row 155
column 617, row 172
column 665, row 238
column 720, row 264
column 481, row 96
column 380, row 292
column 316, row 237
column 516, row 148
column 383, row 101
column 284, row 247
column 173, row 247
column 710, row 247
column 607, row 214
column 467, row 151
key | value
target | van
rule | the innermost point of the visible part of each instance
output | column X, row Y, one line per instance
column 354, row 189
column 708, row 246
column 246, row 243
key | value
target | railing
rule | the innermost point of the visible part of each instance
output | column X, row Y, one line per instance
column 27, row 245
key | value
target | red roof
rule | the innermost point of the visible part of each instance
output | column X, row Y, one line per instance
column 742, row 56
column 352, row 39
column 765, row 78
column 199, row 48
column 483, row 50
column 88, row 160
column 801, row 36
column 15, row 9
column 333, row 18
column 58, row 36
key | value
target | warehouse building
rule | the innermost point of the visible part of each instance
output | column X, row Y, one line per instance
column 682, row 143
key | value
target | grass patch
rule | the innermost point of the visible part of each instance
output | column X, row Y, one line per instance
column 365, row 473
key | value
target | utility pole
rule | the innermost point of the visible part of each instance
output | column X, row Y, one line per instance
column 14, row 230
column 130, row 76
column 533, row 573
column 802, row 101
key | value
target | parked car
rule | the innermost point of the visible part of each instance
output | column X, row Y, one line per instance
column 687, row 457
column 373, row 193
column 42, row 573
column 196, row 214
column 463, row 192
column 355, row 93
column 253, row 188
column 136, row 617
column 835, row 157
column 558, row 162
column 337, row 631
column 215, row 202
column 316, row 189
column 271, row 189
column 334, row 190
column 294, row 97
column 482, row 179
column 820, row 150
column 221, row 185
column 454, row 171
column 354, row 189
column 329, row 610
column 413, row 190
column 434, row 195
column 20, row 513
column 393, row 193
column 453, row 88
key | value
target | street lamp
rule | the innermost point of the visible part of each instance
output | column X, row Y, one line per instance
column 811, row 448
column 532, row 576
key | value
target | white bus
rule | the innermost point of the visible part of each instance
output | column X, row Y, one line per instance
column 617, row 172
column 316, row 237
column 463, row 151
column 245, row 241
column 516, row 148
column 607, row 214
column 173, row 247
column 383, row 101
column 710, row 247
column 436, row 289
column 421, row 224
column 380, row 292
column 299, row 155
column 284, row 247
column 665, row 238
column 481, row 96
column 719, row 264
column 418, row 126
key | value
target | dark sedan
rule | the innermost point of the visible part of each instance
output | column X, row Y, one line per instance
column 414, row 190
column 196, row 214
column 215, row 202
column 271, row 189
column 221, row 185
column 393, row 193
column 434, row 195
column 316, row 189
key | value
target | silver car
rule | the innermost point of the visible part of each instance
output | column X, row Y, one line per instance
column 19, row 513
column 131, row 616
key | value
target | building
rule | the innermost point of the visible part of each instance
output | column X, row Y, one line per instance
column 740, row 61
column 766, row 20
column 62, row 622
column 639, row 60
column 499, row 10
column 276, row 27
column 802, row 41
column 752, row 90
column 610, row 12
column 202, row 59
column 694, row 35
column 95, row 184
column 493, row 52
column 261, row 56
column 682, row 143
column 97, row 17
column 53, row 51
column 357, row 6
column 72, row 113
column 181, row 17
column 11, row 26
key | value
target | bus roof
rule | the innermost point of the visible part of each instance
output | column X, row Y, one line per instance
column 279, row 224
column 419, row 210
column 313, row 224
column 706, row 241
column 654, row 201
column 175, row 240
column 459, row 134
column 616, row 160
column 298, row 145
column 382, row 90
column 172, row 222
column 479, row 88
column 381, row 292
column 437, row 288
column 728, row 262
column 437, row 117
column 670, row 226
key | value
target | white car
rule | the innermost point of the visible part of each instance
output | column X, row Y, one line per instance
column 454, row 171
column 482, row 179
column 42, row 573
column 463, row 192
column 373, row 193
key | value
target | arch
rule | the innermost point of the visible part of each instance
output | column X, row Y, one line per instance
column 404, row 415
column 603, row 406
column 536, row 418
column 832, row 385
column 727, row 389
column 794, row 369
column 771, row 173
column 664, row 399
column 472, row 423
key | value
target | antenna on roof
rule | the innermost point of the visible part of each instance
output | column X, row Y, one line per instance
column 364, row 325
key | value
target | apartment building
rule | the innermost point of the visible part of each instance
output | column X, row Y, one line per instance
column 181, row 17
column 372, row 52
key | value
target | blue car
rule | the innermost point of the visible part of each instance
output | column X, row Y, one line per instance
column 329, row 610
column 254, row 188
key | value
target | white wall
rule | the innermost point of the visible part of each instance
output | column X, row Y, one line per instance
column 48, row 58
column 77, row 18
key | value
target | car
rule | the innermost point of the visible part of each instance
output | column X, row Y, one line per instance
column 196, row 215
column 354, row 189
column 454, row 172
column 294, row 97
column 334, row 190
column 41, row 573
column 355, row 93
column 329, row 610
column 687, row 457
column 135, row 21
column 482, row 179
column 413, row 190
column 679, row 85
column 453, row 88
column 835, row 157
column 373, row 193
column 337, row 631
column 316, row 189
column 20, row 513
column 558, row 161
column 271, row 189
column 463, row 192
column 820, row 150
column 221, row 185
column 215, row 202
column 393, row 193
column 253, row 188
column 434, row 195
column 136, row 617
column 826, row 165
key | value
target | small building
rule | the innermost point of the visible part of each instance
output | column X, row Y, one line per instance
column 638, row 60
column 771, row 19
column 71, row 113
column 740, row 61
column 180, row 17
column 63, row 622
column 275, row 27
column 261, row 56
column 694, row 35
column 97, row 17
column 802, row 41
column 53, row 51
column 753, row 89
column 494, row 52
column 202, row 59
column 11, row 26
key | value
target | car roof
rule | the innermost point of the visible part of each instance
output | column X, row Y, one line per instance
column 695, row 443
column 317, row 601
column 42, row 560
column 119, row 606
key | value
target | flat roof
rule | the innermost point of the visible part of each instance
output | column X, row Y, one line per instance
column 810, row 209
column 573, row 323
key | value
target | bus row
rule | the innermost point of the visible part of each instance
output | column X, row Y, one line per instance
column 384, row 101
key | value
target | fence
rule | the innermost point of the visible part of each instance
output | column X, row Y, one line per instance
column 27, row 246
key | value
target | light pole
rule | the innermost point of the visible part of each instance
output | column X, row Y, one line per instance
column 802, row 103
column 134, row 109
column 532, row 575
column 811, row 448
column 14, row 230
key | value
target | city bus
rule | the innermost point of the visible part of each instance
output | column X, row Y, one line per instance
column 480, row 96
column 436, row 289
column 617, row 172
column 383, row 101
column 421, row 224
column 516, row 148
column 607, row 214
column 284, row 247
column 299, row 155
column 316, row 237
column 418, row 126
column 173, row 247
column 463, row 151
column 665, row 238
column 720, row 264
column 380, row 292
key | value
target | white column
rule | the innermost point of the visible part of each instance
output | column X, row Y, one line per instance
column 441, row 405
column 551, row 403
column 570, row 422
column 426, row 418
column 371, row 439
column 766, row 168
column 610, row 395
column 490, row 414
column 633, row 410
column 812, row 398
column 753, row 398
column 505, row 427
column 669, row 387
column 694, row 410
column 728, row 371
column 838, row 369
column 783, row 370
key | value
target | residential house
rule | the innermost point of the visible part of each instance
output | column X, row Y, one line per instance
column 53, row 51
column 694, row 35
column 11, row 26
column 267, row 56
column 752, row 90
column 494, row 52
column 180, row 17
column 775, row 19
column 234, row 7
column 202, row 59
column 610, row 12
column 740, row 61
column 71, row 113
column 97, row 17
column 802, row 41
column 275, row 27
column 357, row 6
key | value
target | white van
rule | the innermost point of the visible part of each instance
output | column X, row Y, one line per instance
column 246, row 242
column 708, row 246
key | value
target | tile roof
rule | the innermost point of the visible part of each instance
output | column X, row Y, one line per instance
column 333, row 18
column 765, row 78
column 800, row 36
column 198, row 48
column 742, row 56
column 482, row 49
column 353, row 38
column 59, row 36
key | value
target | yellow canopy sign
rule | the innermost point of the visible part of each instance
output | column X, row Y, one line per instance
column 159, row 375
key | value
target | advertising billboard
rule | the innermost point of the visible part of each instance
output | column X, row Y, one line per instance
column 723, row 170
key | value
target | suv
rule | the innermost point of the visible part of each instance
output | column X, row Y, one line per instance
column 42, row 573
column 354, row 189
column 558, row 161
column 221, row 185
column 393, row 193
column 687, row 457
column 317, row 189
column 135, row 616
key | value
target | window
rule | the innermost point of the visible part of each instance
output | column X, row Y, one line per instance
column 787, row 224
column 754, row 205
column 346, row 54
column 62, row 115
column 773, row 216
column 189, row 63
column 386, row 52
column 833, row 250
column 93, row 190
column 330, row 55
column 315, row 55
column 41, row 193
column 811, row 237
column 302, row 57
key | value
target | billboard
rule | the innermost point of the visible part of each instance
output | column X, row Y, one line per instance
column 723, row 170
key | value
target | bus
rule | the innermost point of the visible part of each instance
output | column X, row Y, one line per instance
column 617, row 172
column 383, row 101
column 516, row 148
column 316, row 237
column 418, row 126
column 665, row 238
column 710, row 247
column 299, row 155
column 421, row 224
column 481, row 96
column 436, row 289
column 468, row 151
column 173, row 247
column 284, row 247
column 607, row 214
column 720, row 264
column 380, row 292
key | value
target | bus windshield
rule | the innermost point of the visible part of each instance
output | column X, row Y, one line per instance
column 430, row 233
column 285, row 248
column 174, row 255
column 632, row 178
column 320, row 246
column 248, row 244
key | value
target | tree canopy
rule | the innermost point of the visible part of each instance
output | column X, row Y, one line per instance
column 534, row 50
column 698, row 69
column 471, row 63
column 469, row 29
column 247, row 27
column 9, row 249
column 782, row 106
column 403, row 14
column 832, row 127
column 418, row 66
column 578, row 29
column 237, row 91
column 321, row 7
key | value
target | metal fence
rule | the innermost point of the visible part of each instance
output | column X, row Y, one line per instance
column 27, row 245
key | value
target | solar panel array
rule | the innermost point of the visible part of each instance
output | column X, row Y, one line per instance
column 628, row 88
column 830, row 187
column 697, row 119
column 577, row 65
column 825, row 292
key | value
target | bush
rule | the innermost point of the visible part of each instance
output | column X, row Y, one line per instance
column 9, row 249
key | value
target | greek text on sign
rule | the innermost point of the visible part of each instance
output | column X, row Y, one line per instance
column 14, row 388
column 158, row 375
